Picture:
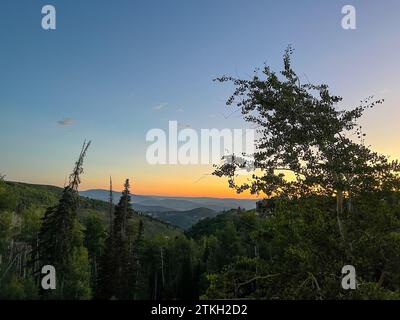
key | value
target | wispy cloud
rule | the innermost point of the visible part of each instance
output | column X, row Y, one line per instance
column 179, row 110
column 160, row 106
column 65, row 122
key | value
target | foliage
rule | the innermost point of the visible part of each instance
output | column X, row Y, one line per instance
column 95, row 235
column 118, row 257
column 304, row 132
column 61, row 240
column 300, row 255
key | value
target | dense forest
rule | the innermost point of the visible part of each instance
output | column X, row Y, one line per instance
column 290, row 252
column 330, row 201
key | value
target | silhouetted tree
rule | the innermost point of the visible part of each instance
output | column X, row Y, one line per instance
column 303, row 132
column 117, row 260
column 60, row 239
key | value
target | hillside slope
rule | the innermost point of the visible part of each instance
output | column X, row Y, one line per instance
column 26, row 195
column 185, row 219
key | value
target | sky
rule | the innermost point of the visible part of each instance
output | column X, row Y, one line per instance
column 113, row 70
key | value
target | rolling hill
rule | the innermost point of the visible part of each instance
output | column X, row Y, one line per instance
column 185, row 219
column 160, row 214
column 182, row 212
column 43, row 196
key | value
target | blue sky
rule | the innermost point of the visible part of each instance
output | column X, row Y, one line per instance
column 119, row 68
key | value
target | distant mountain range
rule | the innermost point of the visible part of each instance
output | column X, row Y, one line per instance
column 150, row 203
column 180, row 211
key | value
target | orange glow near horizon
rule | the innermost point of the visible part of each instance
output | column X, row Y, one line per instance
column 180, row 180
column 208, row 187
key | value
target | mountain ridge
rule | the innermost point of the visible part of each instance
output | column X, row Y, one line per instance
column 170, row 203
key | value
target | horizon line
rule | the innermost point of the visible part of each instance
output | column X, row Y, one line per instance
column 149, row 195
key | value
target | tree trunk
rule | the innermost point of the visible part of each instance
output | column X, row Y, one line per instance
column 339, row 212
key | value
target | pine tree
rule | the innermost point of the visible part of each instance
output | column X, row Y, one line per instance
column 59, row 241
column 106, row 285
column 95, row 235
column 111, row 202
column 117, row 259
column 122, row 255
column 137, row 261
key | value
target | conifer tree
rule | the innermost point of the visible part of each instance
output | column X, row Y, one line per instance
column 106, row 285
column 111, row 202
column 136, row 270
column 95, row 235
column 117, row 261
column 59, row 241
column 123, row 211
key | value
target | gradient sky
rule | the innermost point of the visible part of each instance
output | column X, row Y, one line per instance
column 119, row 68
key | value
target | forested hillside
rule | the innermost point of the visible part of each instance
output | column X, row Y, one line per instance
column 296, row 252
column 22, row 207
column 293, row 252
column 185, row 219
column 25, row 195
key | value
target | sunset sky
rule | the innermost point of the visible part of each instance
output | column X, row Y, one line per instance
column 112, row 70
